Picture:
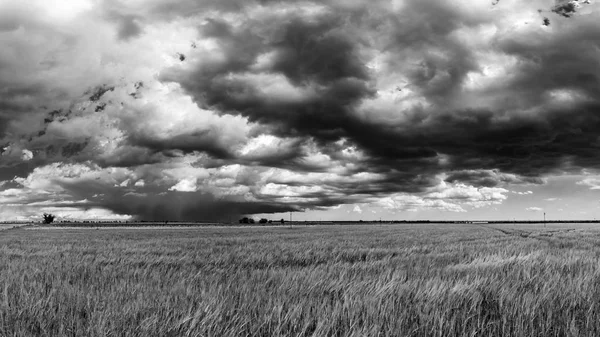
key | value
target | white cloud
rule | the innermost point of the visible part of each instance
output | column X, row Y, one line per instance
column 282, row 190
column 534, row 209
column 26, row 155
column 185, row 185
column 445, row 197
column 48, row 178
column 468, row 195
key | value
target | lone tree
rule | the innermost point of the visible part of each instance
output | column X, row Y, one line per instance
column 48, row 218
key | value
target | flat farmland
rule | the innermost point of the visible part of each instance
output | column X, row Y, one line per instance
column 351, row 280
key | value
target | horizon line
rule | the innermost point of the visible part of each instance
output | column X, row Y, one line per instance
column 304, row 221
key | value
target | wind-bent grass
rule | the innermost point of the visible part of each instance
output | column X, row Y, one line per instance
column 368, row 280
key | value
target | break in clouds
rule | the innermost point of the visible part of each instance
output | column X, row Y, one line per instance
column 202, row 110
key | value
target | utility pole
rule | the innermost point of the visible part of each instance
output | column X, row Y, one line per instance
column 290, row 219
column 544, row 219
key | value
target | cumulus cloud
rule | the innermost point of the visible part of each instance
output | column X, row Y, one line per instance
column 592, row 182
column 476, row 197
column 184, row 109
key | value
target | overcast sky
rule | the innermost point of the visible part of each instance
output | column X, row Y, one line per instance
column 335, row 109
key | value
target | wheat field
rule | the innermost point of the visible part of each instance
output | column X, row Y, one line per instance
column 361, row 280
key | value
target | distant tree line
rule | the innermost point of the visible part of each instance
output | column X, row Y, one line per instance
column 50, row 218
column 247, row 220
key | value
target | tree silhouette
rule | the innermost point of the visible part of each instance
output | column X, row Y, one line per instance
column 48, row 218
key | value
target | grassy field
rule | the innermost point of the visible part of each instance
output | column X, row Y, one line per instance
column 367, row 280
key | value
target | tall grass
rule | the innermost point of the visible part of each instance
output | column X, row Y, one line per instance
column 400, row 280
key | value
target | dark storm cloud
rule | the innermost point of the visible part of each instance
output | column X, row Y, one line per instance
column 561, row 62
column 316, row 56
column 131, row 156
column 426, row 28
column 190, row 206
column 521, row 145
column 543, row 141
column 152, row 203
column 320, row 58
column 203, row 141
column 320, row 55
